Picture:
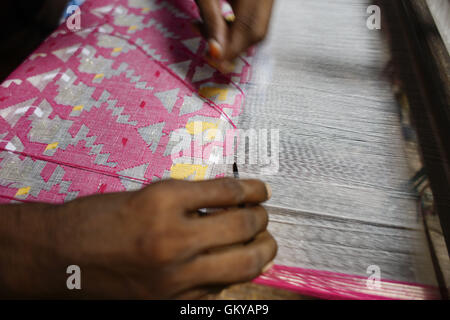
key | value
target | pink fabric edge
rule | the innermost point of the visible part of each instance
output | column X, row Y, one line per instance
column 319, row 284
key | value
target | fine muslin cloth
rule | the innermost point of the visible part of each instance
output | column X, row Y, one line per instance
column 114, row 100
column 104, row 109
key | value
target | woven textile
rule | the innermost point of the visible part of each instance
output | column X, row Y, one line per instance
column 113, row 99
column 342, row 200
column 106, row 108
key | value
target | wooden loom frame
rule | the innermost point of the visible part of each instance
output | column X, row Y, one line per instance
column 422, row 64
column 427, row 86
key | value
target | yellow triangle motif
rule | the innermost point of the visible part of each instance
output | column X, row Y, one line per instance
column 98, row 76
column 183, row 171
column 23, row 191
column 51, row 146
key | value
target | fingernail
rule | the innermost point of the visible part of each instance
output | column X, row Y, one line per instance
column 226, row 67
column 267, row 267
column 215, row 49
column 230, row 17
column 269, row 191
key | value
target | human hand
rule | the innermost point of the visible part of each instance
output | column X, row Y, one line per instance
column 151, row 243
column 227, row 40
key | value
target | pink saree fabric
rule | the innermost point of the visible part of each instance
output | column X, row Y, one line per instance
column 107, row 99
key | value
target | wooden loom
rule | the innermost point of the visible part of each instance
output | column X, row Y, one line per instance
column 424, row 87
column 430, row 110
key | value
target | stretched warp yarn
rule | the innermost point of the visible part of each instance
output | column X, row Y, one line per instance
column 103, row 109
column 111, row 99
column 341, row 197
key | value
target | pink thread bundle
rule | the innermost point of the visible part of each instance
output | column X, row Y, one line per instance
column 331, row 285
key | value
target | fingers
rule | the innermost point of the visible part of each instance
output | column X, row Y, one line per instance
column 240, row 34
column 219, row 193
column 249, row 27
column 200, row 293
column 226, row 42
column 189, row 196
column 193, row 294
column 177, row 236
column 236, row 264
column 216, row 27
column 229, row 227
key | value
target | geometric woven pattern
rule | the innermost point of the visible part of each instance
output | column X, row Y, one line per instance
column 109, row 99
column 102, row 110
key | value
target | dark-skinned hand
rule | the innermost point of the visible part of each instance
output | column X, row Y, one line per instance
column 227, row 40
column 149, row 243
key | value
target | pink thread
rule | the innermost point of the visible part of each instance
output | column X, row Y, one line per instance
column 16, row 199
column 72, row 165
column 332, row 285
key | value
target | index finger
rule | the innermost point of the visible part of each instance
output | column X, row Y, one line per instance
column 224, row 192
column 216, row 29
column 249, row 27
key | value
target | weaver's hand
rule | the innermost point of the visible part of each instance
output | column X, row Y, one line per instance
column 227, row 40
column 145, row 244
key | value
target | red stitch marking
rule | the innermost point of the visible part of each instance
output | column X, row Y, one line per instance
column 102, row 188
column 22, row 156
column 124, row 141
column 30, row 69
column 142, row 104
column 157, row 73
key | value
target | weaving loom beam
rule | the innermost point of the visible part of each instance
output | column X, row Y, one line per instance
column 431, row 108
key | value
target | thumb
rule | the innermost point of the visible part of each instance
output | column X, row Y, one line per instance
column 216, row 28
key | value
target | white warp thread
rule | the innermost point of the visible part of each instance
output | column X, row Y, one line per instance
column 340, row 199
